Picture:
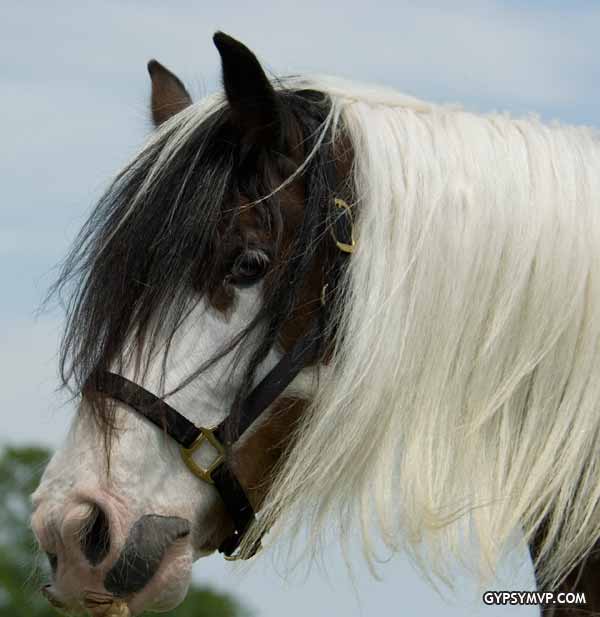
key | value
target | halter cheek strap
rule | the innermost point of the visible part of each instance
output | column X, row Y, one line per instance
column 191, row 438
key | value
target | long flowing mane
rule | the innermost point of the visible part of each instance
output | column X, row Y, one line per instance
column 464, row 383
column 467, row 380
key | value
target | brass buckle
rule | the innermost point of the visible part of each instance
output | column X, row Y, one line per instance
column 206, row 434
column 344, row 246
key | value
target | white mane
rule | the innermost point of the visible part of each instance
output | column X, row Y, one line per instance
column 468, row 383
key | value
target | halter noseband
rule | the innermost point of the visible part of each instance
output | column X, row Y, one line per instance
column 191, row 438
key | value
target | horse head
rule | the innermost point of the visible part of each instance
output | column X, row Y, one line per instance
column 205, row 267
column 238, row 350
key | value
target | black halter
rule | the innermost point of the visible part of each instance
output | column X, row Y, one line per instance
column 191, row 437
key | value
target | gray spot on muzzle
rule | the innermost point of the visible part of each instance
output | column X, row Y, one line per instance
column 144, row 549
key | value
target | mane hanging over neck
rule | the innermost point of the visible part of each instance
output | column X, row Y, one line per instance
column 464, row 398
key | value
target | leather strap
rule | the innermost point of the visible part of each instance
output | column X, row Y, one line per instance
column 146, row 404
column 185, row 433
column 237, row 505
column 271, row 386
column 178, row 427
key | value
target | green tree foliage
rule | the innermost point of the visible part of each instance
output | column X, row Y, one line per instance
column 23, row 570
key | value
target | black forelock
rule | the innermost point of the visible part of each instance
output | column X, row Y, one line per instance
column 152, row 243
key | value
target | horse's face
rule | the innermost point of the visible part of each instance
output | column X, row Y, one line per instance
column 165, row 292
column 134, row 530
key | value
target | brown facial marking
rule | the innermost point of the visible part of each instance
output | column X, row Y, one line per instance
column 309, row 300
column 256, row 459
column 248, row 233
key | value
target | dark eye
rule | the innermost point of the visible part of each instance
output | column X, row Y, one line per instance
column 249, row 267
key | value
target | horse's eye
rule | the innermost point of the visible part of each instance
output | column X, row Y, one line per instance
column 249, row 267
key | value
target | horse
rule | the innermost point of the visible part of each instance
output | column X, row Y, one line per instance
column 309, row 303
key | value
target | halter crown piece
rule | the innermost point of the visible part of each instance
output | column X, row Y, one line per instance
column 191, row 438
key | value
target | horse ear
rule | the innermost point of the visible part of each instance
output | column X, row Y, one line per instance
column 251, row 96
column 169, row 95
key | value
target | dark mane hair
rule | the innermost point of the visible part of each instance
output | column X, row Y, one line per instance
column 154, row 243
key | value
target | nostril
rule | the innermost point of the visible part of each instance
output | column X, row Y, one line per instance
column 95, row 536
column 149, row 538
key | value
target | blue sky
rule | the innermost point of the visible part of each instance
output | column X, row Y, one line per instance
column 74, row 91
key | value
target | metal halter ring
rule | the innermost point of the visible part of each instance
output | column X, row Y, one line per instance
column 206, row 434
column 344, row 246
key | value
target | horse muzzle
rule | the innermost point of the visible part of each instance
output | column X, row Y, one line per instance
column 98, row 568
